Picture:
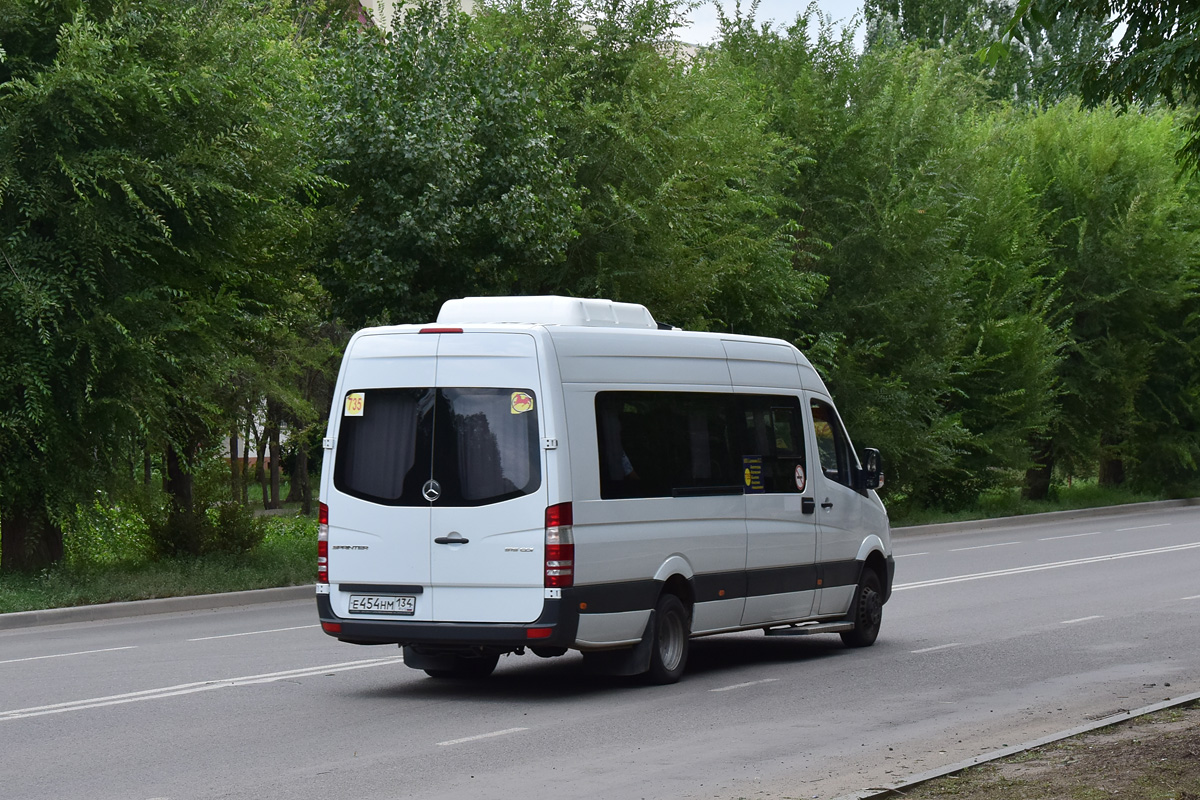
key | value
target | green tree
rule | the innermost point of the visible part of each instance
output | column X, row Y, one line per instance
column 152, row 159
column 932, row 331
column 679, row 181
column 1157, row 56
column 445, row 151
column 1124, row 230
column 1032, row 72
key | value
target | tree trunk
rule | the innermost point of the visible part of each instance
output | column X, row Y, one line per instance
column 260, row 472
column 1112, row 465
column 179, row 482
column 29, row 540
column 274, row 413
column 147, row 467
column 300, row 478
column 1037, row 477
column 1112, row 472
column 235, row 467
column 246, row 466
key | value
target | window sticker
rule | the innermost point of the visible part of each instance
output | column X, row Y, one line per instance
column 801, row 478
column 354, row 404
column 752, row 472
column 521, row 403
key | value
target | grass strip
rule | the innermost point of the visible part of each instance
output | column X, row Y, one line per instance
column 286, row 557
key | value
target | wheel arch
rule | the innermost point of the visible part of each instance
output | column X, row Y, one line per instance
column 676, row 576
column 876, row 562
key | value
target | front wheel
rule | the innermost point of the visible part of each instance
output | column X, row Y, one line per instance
column 669, row 648
column 867, row 611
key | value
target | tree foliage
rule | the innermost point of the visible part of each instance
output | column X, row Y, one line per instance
column 197, row 202
column 444, row 148
column 1035, row 69
column 1151, row 52
column 151, row 159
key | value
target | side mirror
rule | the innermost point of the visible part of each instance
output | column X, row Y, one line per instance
column 872, row 468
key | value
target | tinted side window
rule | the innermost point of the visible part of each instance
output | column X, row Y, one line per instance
column 833, row 448
column 665, row 444
column 774, row 441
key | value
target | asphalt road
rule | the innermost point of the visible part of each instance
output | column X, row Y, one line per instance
column 992, row 638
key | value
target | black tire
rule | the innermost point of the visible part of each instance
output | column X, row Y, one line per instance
column 467, row 668
column 669, row 647
column 867, row 611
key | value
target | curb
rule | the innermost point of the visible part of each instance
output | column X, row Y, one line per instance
column 1045, row 516
column 913, row 781
column 162, row 605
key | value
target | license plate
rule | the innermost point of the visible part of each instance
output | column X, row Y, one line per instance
column 404, row 605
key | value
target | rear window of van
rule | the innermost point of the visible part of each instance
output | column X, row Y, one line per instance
column 477, row 446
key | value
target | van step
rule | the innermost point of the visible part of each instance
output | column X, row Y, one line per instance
column 807, row 628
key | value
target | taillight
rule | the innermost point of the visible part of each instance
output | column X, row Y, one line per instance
column 323, row 543
column 560, row 547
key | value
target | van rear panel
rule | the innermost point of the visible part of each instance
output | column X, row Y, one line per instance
column 438, row 493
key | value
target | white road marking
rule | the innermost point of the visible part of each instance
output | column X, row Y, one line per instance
column 252, row 633
column 1081, row 619
column 64, row 655
column 1071, row 536
column 982, row 547
column 1193, row 597
column 1040, row 567
column 910, row 555
column 191, row 688
column 744, row 685
column 939, row 647
column 482, row 736
column 1144, row 527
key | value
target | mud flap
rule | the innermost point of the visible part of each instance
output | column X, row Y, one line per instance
column 628, row 661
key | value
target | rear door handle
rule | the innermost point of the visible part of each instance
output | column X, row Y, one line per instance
column 454, row 538
column 827, row 503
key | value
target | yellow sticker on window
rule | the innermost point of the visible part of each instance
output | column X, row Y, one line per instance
column 354, row 404
column 521, row 403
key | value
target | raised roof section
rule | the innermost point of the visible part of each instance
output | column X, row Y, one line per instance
column 546, row 310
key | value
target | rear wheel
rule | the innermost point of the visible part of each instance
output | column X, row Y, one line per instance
column 867, row 611
column 669, row 649
column 467, row 668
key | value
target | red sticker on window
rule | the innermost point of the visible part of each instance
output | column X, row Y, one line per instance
column 521, row 403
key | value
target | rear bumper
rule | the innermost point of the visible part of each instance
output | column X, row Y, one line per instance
column 556, row 617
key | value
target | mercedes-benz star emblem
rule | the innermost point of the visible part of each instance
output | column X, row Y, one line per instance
column 432, row 490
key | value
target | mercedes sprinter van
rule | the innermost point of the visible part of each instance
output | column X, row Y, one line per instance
column 547, row 474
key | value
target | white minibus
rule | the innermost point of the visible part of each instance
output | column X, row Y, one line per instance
column 544, row 474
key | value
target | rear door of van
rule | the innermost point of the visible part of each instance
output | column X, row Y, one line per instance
column 488, row 460
column 438, row 491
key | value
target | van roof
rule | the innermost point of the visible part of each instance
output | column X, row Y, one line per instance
column 546, row 310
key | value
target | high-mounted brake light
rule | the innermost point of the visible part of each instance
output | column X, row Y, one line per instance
column 560, row 547
column 441, row 330
column 322, row 543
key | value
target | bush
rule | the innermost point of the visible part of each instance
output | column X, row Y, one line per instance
column 233, row 529
column 106, row 533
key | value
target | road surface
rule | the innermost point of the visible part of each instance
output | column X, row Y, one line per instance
column 992, row 638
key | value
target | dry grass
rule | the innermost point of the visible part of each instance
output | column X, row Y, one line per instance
column 1156, row 757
